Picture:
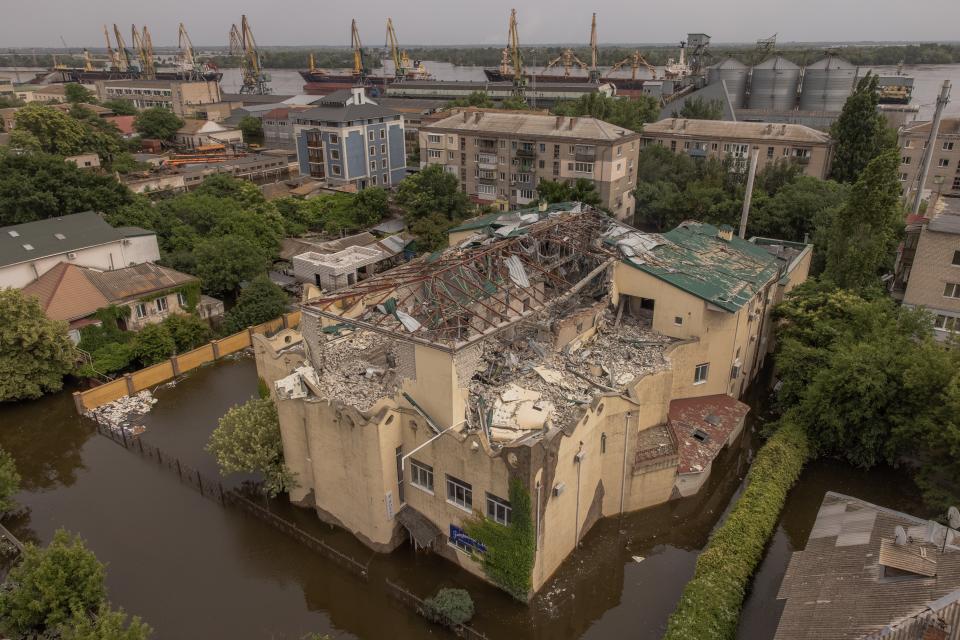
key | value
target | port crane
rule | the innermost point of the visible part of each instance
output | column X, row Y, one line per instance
column 243, row 45
column 359, row 58
column 635, row 60
column 402, row 67
column 569, row 59
column 143, row 45
column 123, row 54
column 511, row 62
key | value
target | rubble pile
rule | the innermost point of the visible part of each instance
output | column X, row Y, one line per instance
column 119, row 415
column 359, row 369
column 523, row 386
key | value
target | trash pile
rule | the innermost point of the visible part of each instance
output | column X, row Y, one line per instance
column 119, row 414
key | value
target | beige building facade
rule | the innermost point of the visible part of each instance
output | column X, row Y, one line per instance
column 185, row 98
column 944, row 175
column 411, row 403
column 809, row 148
column 501, row 156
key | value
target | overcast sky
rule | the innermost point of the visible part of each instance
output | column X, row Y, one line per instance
column 324, row 22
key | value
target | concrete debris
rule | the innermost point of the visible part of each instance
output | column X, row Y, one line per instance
column 357, row 369
column 119, row 414
column 638, row 558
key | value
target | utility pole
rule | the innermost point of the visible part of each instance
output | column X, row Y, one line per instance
column 942, row 101
column 748, row 195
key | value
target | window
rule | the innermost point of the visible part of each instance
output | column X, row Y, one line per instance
column 433, row 139
column 141, row 310
column 714, row 146
column 678, row 320
column 943, row 162
column 373, row 165
column 370, row 136
column 383, row 163
column 541, row 164
column 161, row 304
column 335, row 170
column 908, row 144
column 603, row 443
column 334, row 139
column 373, row 151
column 701, row 372
column 947, row 146
column 459, row 493
column 433, row 153
column 181, row 299
column 905, row 160
column 903, row 177
column 769, row 152
column 498, row 509
column 373, row 180
column 686, row 144
column 486, row 189
column 334, row 154
column 956, row 259
column 526, row 193
column 421, row 475
column 383, row 134
column 947, row 323
column 583, row 167
column 383, row 149
column 952, row 290
column 673, row 145
column 619, row 151
column 449, row 155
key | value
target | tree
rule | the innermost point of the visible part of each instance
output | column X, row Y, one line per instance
column 259, row 301
column 478, row 99
column 157, row 122
column 248, row 440
column 861, row 132
column 223, row 262
column 76, row 93
column 582, row 190
column 798, row 209
column 50, row 584
column 371, row 205
column 55, row 131
column 699, row 109
column 106, row 624
column 35, row 352
column 9, row 482
column 864, row 234
column 451, row 607
column 430, row 191
column 39, row 186
column 515, row 103
column 187, row 330
column 120, row 107
column 251, row 127
column 627, row 113
column 153, row 344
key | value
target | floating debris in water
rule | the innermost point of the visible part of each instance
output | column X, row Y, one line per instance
column 118, row 415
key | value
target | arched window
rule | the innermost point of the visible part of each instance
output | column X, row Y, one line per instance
column 603, row 443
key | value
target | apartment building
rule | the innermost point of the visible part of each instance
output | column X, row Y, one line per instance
column 552, row 351
column 185, row 98
column 347, row 138
column 501, row 156
column 944, row 175
column 809, row 148
column 927, row 272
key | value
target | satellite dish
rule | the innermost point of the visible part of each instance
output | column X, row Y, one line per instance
column 953, row 517
column 900, row 536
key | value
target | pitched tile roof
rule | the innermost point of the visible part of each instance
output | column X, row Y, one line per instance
column 124, row 284
column 78, row 231
column 838, row 587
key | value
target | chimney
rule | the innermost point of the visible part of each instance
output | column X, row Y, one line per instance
column 477, row 117
column 559, row 122
column 725, row 233
column 573, row 122
column 466, row 116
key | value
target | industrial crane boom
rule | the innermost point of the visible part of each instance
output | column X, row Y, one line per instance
column 516, row 59
column 144, row 48
column 111, row 54
column 123, row 54
column 244, row 46
column 568, row 59
column 394, row 48
column 635, row 61
column 359, row 66
column 186, row 48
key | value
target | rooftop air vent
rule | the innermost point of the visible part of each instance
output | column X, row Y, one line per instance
column 59, row 236
column 28, row 247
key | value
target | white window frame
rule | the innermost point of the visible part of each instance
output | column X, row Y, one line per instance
column 140, row 310
column 947, row 146
column 947, row 323
column 951, row 290
column 161, row 304
column 334, row 154
column 383, row 163
column 371, row 136
column 383, row 134
column 182, row 298
column 465, row 490
column 583, row 167
column 499, row 510
column 335, row 170
column 334, row 138
column 421, row 476
column 701, row 372
column 434, row 154
column 434, row 138
column 943, row 163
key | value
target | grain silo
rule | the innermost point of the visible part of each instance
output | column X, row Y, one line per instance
column 827, row 84
column 773, row 85
column 734, row 74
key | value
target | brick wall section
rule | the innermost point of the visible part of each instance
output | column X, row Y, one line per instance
column 932, row 270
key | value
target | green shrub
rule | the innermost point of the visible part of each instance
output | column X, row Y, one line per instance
column 110, row 358
column 451, row 607
column 153, row 344
column 711, row 601
column 188, row 331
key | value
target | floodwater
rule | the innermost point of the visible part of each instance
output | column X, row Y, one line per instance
column 193, row 569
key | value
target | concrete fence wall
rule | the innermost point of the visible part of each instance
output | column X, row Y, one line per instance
column 179, row 364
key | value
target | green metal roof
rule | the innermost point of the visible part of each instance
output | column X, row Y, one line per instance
column 725, row 273
column 492, row 219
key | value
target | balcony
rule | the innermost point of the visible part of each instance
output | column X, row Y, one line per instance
column 526, row 152
column 487, row 145
column 585, row 157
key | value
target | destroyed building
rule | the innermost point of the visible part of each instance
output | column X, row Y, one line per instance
column 544, row 347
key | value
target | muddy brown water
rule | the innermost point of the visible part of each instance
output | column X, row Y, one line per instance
column 193, row 569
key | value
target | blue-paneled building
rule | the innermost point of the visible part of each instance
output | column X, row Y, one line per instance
column 349, row 138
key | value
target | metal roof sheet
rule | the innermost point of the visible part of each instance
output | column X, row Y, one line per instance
column 54, row 236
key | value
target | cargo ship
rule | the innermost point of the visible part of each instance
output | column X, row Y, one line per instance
column 895, row 89
column 87, row 76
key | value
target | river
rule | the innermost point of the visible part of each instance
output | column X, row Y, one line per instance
column 195, row 570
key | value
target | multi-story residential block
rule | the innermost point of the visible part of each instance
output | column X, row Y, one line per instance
column 809, row 148
column 29, row 250
column 185, row 98
column 927, row 272
column 944, row 175
column 501, row 156
column 349, row 138
column 557, row 357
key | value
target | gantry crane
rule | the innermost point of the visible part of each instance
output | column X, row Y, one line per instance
column 114, row 63
column 87, row 60
column 143, row 45
column 359, row 58
column 402, row 67
column 243, row 45
column 123, row 54
column 635, row 60
column 568, row 59
column 512, row 62
column 187, row 60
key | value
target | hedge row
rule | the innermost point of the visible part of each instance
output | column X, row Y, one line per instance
column 711, row 601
